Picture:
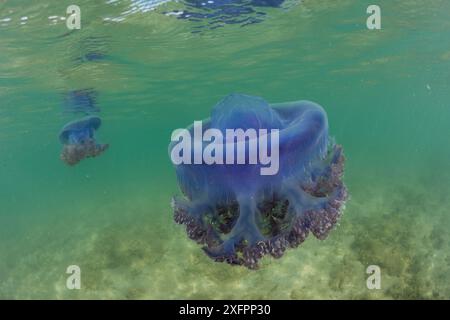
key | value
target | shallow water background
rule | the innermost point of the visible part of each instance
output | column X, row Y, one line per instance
column 386, row 93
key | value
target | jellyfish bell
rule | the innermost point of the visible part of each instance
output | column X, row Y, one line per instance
column 76, row 131
column 78, row 139
column 240, row 111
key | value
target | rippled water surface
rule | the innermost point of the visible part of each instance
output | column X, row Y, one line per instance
column 149, row 67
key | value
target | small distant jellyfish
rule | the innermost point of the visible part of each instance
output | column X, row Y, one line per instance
column 239, row 215
column 78, row 140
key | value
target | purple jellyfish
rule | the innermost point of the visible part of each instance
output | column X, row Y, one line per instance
column 79, row 141
column 239, row 214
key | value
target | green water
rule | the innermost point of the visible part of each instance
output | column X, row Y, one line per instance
column 386, row 93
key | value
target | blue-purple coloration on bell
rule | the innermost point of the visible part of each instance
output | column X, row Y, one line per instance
column 240, row 215
column 78, row 139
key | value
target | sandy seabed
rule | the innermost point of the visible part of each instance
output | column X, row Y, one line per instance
column 143, row 254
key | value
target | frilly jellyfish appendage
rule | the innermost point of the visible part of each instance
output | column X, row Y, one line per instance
column 78, row 140
column 240, row 215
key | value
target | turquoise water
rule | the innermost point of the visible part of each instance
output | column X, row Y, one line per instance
column 386, row 93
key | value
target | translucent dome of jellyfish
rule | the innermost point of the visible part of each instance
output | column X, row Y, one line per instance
column 240, row 215
column 78, row 140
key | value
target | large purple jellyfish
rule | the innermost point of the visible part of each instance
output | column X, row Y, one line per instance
column 240, row 215
column 78, row 140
